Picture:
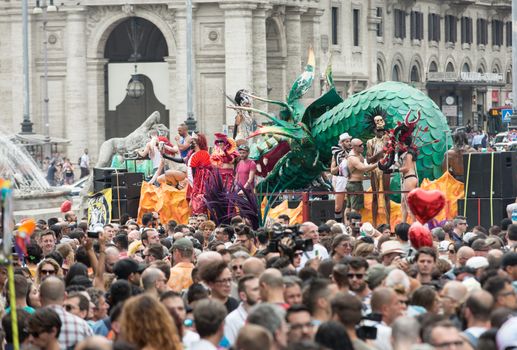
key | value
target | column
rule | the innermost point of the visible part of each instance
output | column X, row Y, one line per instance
column 293, row 31
column 180, row 113
column 174, row 117
column 371, row 43
column 76, row 91
column 238, row 41
column 260, row 57
column 96, row 112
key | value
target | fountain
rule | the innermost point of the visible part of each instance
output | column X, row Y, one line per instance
column 33, row 196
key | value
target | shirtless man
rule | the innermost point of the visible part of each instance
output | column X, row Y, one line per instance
column 183, row 140
column 453, row 160
column 409, row 177
column 356, row 170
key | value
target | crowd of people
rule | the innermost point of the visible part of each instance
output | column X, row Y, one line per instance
column 200, row 286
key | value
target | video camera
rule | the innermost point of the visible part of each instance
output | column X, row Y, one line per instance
column 288, row 240
column 367, row 330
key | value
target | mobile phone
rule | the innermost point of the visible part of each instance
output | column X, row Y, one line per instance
column 93, row 234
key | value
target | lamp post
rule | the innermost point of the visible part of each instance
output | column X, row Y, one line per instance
column 513, row 121
column 26, row 124
column 191, row 121
column 43, row 9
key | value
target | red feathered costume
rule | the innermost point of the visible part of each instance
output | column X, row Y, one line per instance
column 198, row 173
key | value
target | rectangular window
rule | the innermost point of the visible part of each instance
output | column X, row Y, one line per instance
column 450, row 29
column 417, row 25
column 400, row 24
column 380, row 25
column 433, row 24
column 466, row 30
column 497, row 32
column 335, row 23
column 356, row 27
column 482, row 31
column 509, row 34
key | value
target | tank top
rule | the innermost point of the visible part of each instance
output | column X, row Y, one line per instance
column 185, row 152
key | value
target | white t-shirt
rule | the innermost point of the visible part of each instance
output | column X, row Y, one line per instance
column 318, row 251
column 234, row 322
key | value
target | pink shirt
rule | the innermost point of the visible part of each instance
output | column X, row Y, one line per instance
column 242, row 172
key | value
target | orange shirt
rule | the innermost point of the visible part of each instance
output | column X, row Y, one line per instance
column 181, row 276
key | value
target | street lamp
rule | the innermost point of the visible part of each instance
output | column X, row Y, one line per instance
column 43, row 8
column 26, row 124
column 191, row 121
column 135, row 88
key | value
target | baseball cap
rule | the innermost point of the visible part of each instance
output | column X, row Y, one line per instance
column 183, row 244
column 344, row 136
column 477, row 262
column 125, row 267
column 243, row 148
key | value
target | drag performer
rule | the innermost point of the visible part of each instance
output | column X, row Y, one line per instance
column 380, row 180
column 340, row 177
column 223, row 158
column 244, row 122
column 453, row 160
column 199, row 169
column 408, row 176
column 175, row 173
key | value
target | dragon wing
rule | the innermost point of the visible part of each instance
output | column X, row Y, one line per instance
column 396, row 99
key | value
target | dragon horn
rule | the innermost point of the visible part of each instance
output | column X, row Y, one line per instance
column 270, row 117
column 275, row 102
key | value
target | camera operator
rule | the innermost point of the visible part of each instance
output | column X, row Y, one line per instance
column 354, row 223
column 309, row 230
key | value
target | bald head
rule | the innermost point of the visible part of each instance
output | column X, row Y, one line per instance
column 356, row 142
column 95, row 342
column 455, row 290
column 480, row 304
column 464, row 254
column 208, row 257
column 272, row 278
column 381, row 297
column 253, row 266
column 52, row 291
column 150, row 276
column 308, row 226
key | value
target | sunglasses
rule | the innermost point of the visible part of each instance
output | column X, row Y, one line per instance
column 48, row 272
column 236, row 267
column 452, row 251
column 359, row 276
column 298, row 254
column 69, row 307
column 219, row 141
column 361, row 145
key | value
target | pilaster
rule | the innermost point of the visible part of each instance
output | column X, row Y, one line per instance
column 293, row 29
column 260, row 56
column 76, row 91
column 238, row 40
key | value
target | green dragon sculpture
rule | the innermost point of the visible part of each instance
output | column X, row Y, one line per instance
column 294, row 151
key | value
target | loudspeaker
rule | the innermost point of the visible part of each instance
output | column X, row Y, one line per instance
column 478, row 210
column 320, row 211
column 127, row 179
column 100, row 185
column 124, row 192
column 129, row 206
column 104, row 174
column 479, row 178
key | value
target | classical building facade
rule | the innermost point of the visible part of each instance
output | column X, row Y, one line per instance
column 457, row 50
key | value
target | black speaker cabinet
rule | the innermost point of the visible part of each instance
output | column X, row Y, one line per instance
column 100, row 185
column 104, row 174
column 478, row 210
column 123, row 192
column 320, row 211
column 479, row 177
column 127, row 179
column 129, row 206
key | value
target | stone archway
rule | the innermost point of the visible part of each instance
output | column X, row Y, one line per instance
column 124, row 114
column 101, row 21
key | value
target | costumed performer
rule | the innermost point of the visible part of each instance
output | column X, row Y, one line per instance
column 244, row 122
column 176, row 171
column 199, row 169
column 409, row 175
column 152, row 151
column 338, row 169
column 380, row 180
column 453, row 159
column 223, row 158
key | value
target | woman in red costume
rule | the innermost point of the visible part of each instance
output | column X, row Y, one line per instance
column 199, row 170
column 223, row 158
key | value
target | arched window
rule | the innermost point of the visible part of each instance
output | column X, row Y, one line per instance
column 433, row 67
column 450, row 67
column 380, row 73
column 395, row 73
column 465, row 68
column 415, row 74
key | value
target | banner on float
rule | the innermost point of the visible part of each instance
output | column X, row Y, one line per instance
column 99, row 208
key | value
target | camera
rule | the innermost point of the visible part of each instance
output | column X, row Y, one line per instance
column 287, row 239
column 368, row 330
column 95, row 230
